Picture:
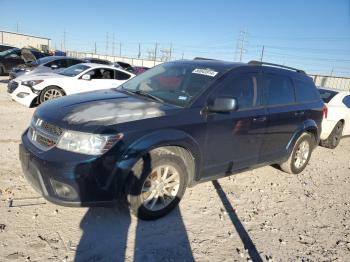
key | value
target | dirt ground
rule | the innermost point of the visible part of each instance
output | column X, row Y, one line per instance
column 263, row 214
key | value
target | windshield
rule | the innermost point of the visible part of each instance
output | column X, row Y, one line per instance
column 74, row 70
column 9, row 51
column 176, row 83
column 327, row 95
column 43, row 60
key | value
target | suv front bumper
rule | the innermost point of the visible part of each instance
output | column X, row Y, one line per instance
column 70, row 179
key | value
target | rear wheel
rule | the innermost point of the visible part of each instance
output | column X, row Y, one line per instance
column 158, row 185
column 300, row 155
column 51, row 92
column 334, row 138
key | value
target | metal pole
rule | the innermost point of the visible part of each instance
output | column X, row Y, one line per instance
column 95, row 48
column 139, row 54
column 120, row 49
column 155, row 51
column 262, row 53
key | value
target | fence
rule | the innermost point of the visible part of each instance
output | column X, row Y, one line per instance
column 336, row 82
column 132, row 61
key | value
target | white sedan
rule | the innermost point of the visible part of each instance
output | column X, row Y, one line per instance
column 336, row 118
column 85, row 77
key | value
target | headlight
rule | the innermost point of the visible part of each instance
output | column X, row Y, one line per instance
column 31, row 83
column 86, row 143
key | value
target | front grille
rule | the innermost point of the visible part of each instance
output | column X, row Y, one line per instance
column 12, row 85
column 44, row 135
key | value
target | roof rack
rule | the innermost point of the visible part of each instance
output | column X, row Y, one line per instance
column 254, row 62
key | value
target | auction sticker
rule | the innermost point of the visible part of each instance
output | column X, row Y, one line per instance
column 206, row 72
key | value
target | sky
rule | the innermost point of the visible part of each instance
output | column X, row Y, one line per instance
column 311, row 35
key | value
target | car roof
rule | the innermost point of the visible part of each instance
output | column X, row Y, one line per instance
column 202, row 62
column 96, row 65
column 333, row 89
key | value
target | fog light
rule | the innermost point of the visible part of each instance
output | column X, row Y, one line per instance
column 64, row 190
column 22, row 94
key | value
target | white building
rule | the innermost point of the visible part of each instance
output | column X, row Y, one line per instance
column 22, row 40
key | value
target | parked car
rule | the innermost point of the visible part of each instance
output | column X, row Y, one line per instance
column 5, row 47
column 97, row 61
column 336, row 122
column 137, row 70
column 36, row 89
column 132, row 69
column 46, row 64
column 172, row 127
column 123, row 65
column 15, row 57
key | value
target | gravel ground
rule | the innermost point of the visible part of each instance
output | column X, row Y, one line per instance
column 263, row 214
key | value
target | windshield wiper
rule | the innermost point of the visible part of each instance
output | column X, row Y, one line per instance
column 145, row 94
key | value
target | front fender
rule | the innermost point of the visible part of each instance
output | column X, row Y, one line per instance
column 167, row 137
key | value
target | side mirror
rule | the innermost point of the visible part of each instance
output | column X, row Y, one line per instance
column 54, row 66
column 86, row 77
column 223, row 104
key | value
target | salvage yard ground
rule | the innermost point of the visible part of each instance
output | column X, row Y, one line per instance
column 263, row 214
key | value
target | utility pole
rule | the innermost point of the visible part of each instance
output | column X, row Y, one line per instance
column 64, row 39
column 139, row 54
column 17, row 27
column 120, row 49
column 155, row 51
column 170, row 51
column 332, row 71
column 113, row 43
column 107, row 40
column 182, row 58
column 242, row 40
column 95, row 49
column 262, row 53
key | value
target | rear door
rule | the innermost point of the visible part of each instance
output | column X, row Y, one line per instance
column 234, row 139
column 284, row 115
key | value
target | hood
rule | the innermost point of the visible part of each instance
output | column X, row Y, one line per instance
column 89, row 111
column 27, row 55
column 38, row 76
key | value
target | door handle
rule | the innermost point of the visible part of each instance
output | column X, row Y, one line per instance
column 260, row 119
column 299, row 113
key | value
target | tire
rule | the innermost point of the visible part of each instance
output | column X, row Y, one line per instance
column 145, row 173
column 300, row 155
column 2, row 71
column 49, row 93
column 334, row 138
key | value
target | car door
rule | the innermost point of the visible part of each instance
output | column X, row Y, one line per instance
column 284, row 116
column 234, row 139
column 13, row 59
column 100, row 78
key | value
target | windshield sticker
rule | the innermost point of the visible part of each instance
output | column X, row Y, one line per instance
column 206, row 72
column 182, row 98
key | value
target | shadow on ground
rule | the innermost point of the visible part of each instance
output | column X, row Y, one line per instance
column 106, row 233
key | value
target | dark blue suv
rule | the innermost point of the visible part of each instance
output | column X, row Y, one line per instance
column 176, row 125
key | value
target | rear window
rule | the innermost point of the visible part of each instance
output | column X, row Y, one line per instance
column 279, row 90
column 346, row 101
column 327, row 95
column 305, row 91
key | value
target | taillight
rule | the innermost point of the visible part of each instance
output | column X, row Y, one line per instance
column 325, row 111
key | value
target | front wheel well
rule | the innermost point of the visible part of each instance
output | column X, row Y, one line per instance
column 184, row 154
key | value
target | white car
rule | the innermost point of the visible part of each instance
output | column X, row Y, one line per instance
column 336, row 118
column 85, row 77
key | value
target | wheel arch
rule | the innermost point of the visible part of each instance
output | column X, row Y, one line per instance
column 173, row 141
column 308, row 126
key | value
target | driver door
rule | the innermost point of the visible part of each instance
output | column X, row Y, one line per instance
column 234, row 138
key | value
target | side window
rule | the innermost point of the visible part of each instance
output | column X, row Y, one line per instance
column 245, row 89
column 346, row 101
column 119, row 75
column 279, row 90
column 305, row 91
column 61, row 63
column 101, row 73
column 71, row 62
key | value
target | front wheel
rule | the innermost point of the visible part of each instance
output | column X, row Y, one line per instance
column 51, row 92
column 300, row 155
column 159, row 182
